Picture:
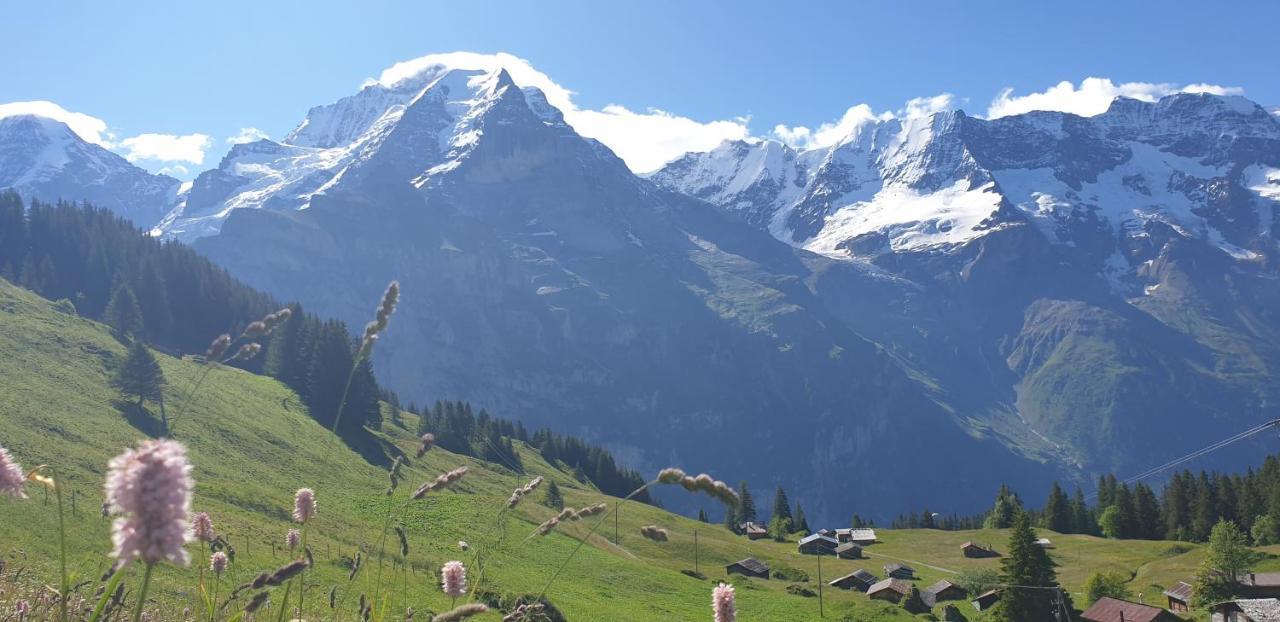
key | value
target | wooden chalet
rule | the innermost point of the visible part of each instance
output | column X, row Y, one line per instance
column 859, row 579
column 1246, row 610
column 749, row 567
column 975, row 550
column 1257, row 585
column 892, row 590
column 818, row 544
column 942, row 591
column 862, row 536
column 849, row 550
column 754, row 531
column 899, row 571
column 1179, row 596
column 1109, row 609
column 985, row 600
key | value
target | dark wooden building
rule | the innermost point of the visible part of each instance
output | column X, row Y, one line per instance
column 818, row 544
column 1109, row 609
column 859, row 579
column 1179, row 596
column 975, row 550
column 749, row 567
column 899, row 571
column 1260, row 585
column 849, row 550
column 892, row 590
column 754, row 531
column 942, row 591
column 1247, row 610
column 985, row 600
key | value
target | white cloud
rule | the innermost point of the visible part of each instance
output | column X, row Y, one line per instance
column 175, row 170
column 829, row 134
column 644, row 140
column 166, row 148
column 91, row 129
column 247, row 135
column 1093, row 96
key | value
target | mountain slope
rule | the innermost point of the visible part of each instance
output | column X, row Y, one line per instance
column 543, row 279
column 44, row 159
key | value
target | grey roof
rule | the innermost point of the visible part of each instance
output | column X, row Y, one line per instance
column 848, row 545
column 752, row 564
column 862, row 534
column 1180, row 590
column 859, row 574
column 896, row 566
column 817, row 536
column 940, row 585
column 897, row 585
column 1259, row 609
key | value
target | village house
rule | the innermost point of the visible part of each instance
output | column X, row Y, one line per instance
column 942, row 591
column 1044, row 543
column 1179, row 597
column 754, row 531
column 1109, row 609
column 859, row 579
column 892, row 590
column 849, row 550
column 749, row 567
column 1260, row 585
column 862, row 537
column 899, row 571
column 1247, row 610
column 818, row 544
column 975, row 550
column 985, row 600
column 842, row 535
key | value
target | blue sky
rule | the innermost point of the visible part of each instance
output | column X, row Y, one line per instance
column 148, row 71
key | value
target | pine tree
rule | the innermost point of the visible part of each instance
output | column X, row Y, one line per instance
column 1146, row 508
column 153, row 301
column 140, row 376
column 1057, row 511
column 1081, row 518
column 1027, row 564
column 746, row 504
column 702, row 516
column 1006, row 508
column 123, row 312
column 781, row 506
column 551, row 498
column 798, row 521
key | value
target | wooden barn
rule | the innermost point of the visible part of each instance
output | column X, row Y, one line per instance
column 1260, row 585
column 985, row 600
column 942, row 591
column 754, row 531
column 859, row 579
column 1109, row 609
column 892, row 590
column 818, row 544
column 1179, row 596
column 977, row 551
column 749, row 567
column 849, row 550
column 899, row 571
column 1247, row 610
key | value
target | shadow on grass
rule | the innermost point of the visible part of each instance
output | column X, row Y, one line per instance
column 140, row 418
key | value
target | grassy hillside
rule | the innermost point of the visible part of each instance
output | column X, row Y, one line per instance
column 253, row 444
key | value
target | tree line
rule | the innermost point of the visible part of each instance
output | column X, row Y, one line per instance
column 163, row 293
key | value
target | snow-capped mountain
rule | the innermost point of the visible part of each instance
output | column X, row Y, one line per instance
column 42, row 158
column 418, row 128
column 935, row 183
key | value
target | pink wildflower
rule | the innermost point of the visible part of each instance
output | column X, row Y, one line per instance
column 150, row 488
column 292, row 539
column 11, row 476
column 722, row 603
column 202, row 527
column 22, row 607
column 218, row 563
column 304, row 505
column 453, row 579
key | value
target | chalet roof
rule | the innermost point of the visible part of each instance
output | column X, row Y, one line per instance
column 859, row 574
column 940, row 585
column 750, row 527
column 971, row 545
column 843, row 531
column 896, row 566
column 1044, row 542
column 1109, row 609
column 848, row 546
column 896, row 585
column 1180, row 590
column 862, row 534
column 753, row 565
column 987, row 594
column 1261, row 579
column 817, row 536
column 1258, row 609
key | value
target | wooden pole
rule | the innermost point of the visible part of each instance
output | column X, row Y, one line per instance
column 821, row 611
column 616, row 507
column 695, row 551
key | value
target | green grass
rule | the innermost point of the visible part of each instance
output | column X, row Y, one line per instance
column 253, row 444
